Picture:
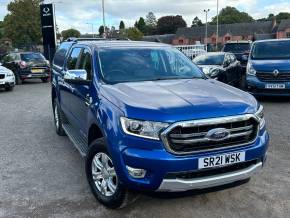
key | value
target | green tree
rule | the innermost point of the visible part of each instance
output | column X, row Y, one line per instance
column 196, row 22
column 151, row 24
column 134, row 34
column 70, row 33
column 282, row 16
column 22, row 23
column 232, row 15
column 151, row 20
column 170, row 24
column 101, row 30
column 122, row 25
column 141, row 25
column 1, row 29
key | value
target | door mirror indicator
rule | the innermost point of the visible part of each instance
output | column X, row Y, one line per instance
column 76, row 77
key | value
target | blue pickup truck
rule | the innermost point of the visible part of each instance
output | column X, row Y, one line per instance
column 146, row 118
column 268, row 70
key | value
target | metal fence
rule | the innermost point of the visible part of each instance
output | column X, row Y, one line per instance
column 191, row 51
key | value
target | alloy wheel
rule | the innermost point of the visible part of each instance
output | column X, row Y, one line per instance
column 104, row 174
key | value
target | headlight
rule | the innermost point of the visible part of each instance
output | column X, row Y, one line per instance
column 251, row 70
column 214, row 72
column 144, row 129
column 10, row 74
column 260, row 115
column 206, row 70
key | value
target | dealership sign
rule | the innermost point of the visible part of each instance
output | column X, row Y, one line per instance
column 48, row 30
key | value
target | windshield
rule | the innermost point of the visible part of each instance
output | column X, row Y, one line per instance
column 145, row 64
column 271, row 50
column 32, row 57
column 237, row 47
column 209, row 59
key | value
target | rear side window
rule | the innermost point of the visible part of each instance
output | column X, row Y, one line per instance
column 31, row 57
column 73, row 58
column 7, row 58
column 61, row 53
column 237, row 47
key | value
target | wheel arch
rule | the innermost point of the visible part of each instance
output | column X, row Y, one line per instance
column 94, row 133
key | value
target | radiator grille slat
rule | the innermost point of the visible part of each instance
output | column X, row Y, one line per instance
column 269, row 76
column 194, row 138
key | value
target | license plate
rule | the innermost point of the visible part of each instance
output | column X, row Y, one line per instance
column 275, row 86
column 221, row 160
column 37, row 70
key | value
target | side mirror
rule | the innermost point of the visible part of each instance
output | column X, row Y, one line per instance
column 245, row 57
column 226, row 63
column 76, row 77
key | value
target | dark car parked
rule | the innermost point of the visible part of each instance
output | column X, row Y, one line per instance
column 241, row 49
column 27, row 65
column 222, row 66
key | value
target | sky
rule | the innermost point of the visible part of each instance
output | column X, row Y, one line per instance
column 78, row 13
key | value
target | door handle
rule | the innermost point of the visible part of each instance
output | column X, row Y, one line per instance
column 88, row 100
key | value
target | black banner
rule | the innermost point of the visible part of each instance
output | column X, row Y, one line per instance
column 48, row 30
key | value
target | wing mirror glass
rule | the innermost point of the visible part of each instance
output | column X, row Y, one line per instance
column 76, row 77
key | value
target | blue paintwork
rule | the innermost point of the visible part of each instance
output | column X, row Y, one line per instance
column 268, row 66
column 167, row 101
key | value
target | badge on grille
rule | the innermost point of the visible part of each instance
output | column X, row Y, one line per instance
column 276, row 72
column 218, row 134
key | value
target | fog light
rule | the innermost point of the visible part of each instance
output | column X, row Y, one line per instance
column 136, row 173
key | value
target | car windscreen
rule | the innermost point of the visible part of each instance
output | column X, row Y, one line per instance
column 271, row 50
column 32, row 57
column 145, row 64
column 209, row 59
column 237, row 47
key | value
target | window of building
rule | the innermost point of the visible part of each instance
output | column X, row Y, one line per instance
column 287, row 34
column 180, row 41
column 227, row 38
column 213, row 40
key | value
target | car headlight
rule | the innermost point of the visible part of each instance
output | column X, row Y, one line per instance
column 10, row 74
column 260, row 115
column 250, row 70
column 214, row 72
column 144, row 129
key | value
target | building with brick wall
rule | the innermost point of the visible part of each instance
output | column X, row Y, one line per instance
column 227, row 32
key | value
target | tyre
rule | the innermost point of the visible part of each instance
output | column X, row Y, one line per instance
column 102, row 177
column 58, row 119
column 10, row 88
column 243, row 84
column 18, row 79
column 44, row 80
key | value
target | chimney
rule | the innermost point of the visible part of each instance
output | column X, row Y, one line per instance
column 274, row 23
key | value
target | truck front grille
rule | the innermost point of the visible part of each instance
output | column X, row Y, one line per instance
column 2, row 76
column 192, row 136
column 269, row 76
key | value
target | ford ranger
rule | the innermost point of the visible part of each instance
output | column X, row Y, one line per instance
column 146, row 118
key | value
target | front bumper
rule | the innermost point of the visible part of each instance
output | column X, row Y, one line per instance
column 7, row 82
column 160, row 163
column 178, row 185
column 257, row 87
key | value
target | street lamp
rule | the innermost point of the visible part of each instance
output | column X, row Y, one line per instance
column 104, row 22
column 206, row 11
column 217, row 24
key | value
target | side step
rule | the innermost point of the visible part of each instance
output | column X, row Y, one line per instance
column 78, row 140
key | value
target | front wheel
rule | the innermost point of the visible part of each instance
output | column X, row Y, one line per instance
column 58, row 120
column 10, row 88
column 103, row 179
column 18, row 79
column 44, row 80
